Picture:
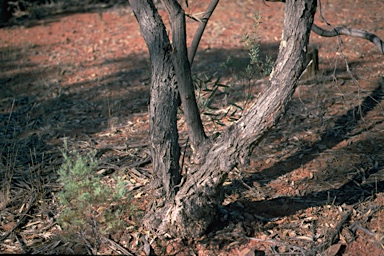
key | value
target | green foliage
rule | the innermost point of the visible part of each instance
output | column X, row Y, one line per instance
column 90, row 206
column 256, row 67
column 209, row 90
column 213, row 95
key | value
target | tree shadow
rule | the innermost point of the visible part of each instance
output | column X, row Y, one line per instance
column 344, row 125
column 231, row 62
column 341, row 69
column 37, row 13
column 360, row 185
column 37, row 111
column 38, row 119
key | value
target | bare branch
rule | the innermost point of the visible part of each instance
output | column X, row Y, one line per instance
column 344, row 31
column 200, row 30
column 350, row 32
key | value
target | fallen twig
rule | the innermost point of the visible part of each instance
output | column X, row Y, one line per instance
column 115, row 246
column 272, row 241
column 21, row 220
column 322, row 247
column 356, row 226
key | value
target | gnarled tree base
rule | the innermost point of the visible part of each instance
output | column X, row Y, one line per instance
column 189, row 208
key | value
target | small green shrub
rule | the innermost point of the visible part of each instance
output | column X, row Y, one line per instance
column 88, row 205
column 257, row 67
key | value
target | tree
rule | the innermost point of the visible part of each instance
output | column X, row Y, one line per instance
column 185, row 206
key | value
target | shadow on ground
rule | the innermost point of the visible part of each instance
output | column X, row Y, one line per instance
column 36, row 13
column 38, row 112
column 360, row 184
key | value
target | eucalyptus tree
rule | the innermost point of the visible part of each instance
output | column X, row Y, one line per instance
column 185, row 205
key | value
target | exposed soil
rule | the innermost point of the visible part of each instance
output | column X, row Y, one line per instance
column 314, row 185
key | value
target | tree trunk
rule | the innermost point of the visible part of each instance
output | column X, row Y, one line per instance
column 183, row 73
column 163, row 104
column 190, row 210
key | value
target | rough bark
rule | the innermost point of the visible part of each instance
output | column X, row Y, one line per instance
column 163, row 103
column 170, row 73
column 193, row 208
column 183, row 74
column 187, row 207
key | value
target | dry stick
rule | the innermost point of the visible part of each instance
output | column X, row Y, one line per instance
column 350, row 32
column 354, row 79
column 10, row 115
column 23, row 245
column 115, row 246
column 273, row 241
column 322, row 247
column 49, row 248
column 141, row 163
column 90, row 249
column 21, row 220
column 337, row 31
column 321, row 13
column 356, row 225
column 200, row 30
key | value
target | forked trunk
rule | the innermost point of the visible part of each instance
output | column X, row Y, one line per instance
column 187, row 209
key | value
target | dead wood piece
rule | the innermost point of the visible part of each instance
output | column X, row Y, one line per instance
column 279, row 243
column 115, row 246
column 312, row 69
column 48, row 247
column 350, row 32
column 140, row 174
column 21, row 220
column 23, row 245
column 324, row 246
column 345, row 31
column 356, row 226
column 141, row 163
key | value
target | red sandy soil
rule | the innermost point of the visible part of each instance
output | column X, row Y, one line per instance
column 315, row 184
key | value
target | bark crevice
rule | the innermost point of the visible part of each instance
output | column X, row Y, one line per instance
column 183, row 73
column 191, row 210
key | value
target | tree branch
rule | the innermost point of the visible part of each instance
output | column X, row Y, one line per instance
column 200, row 30
column 195, row 204
column 183, row 73
column 350, row 32
column 345, row 31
